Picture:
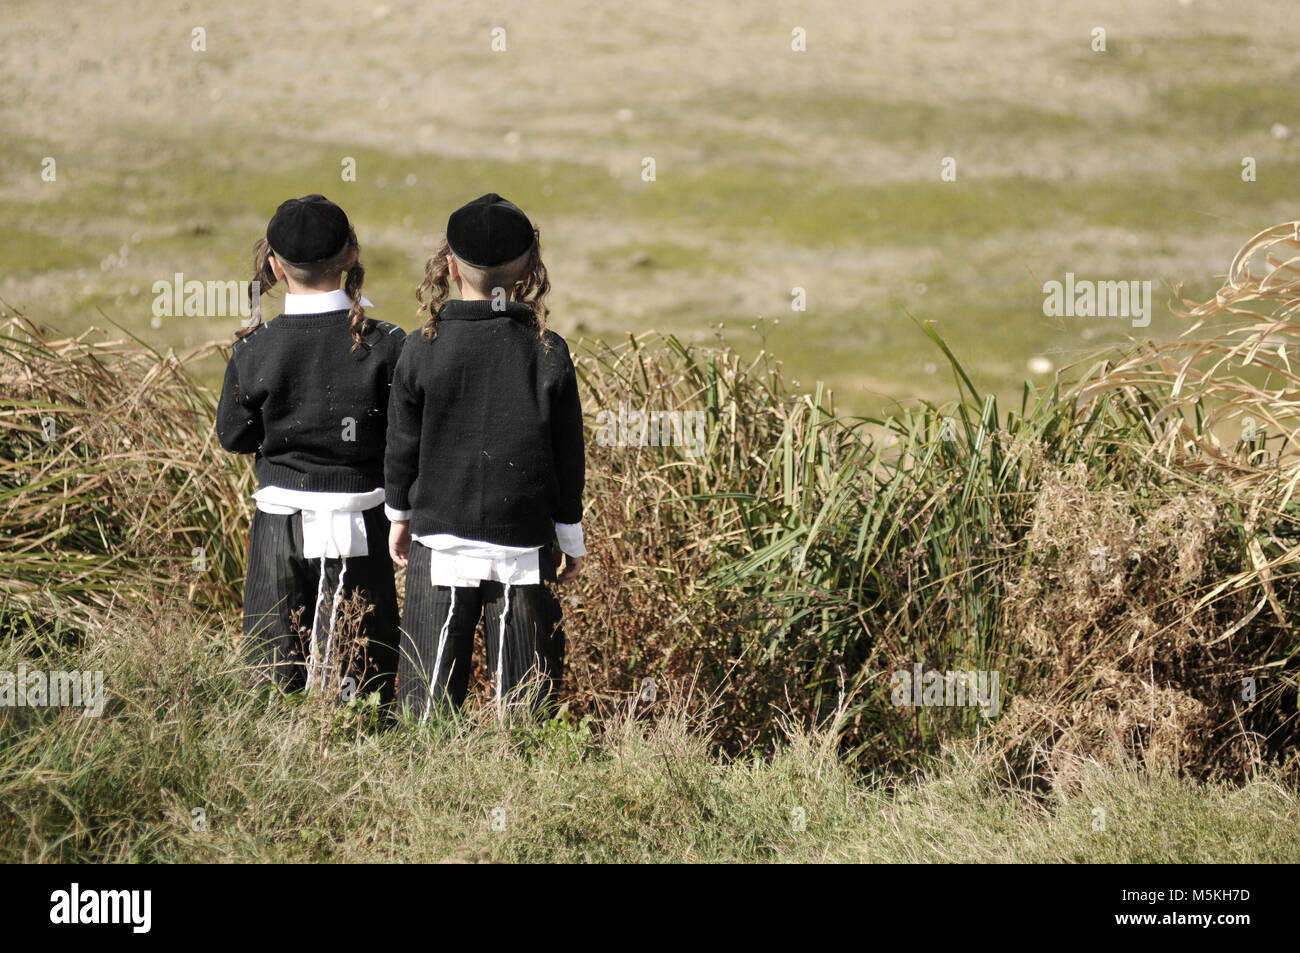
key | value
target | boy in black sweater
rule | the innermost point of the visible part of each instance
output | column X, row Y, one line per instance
column 308, row 394
column 484, row 467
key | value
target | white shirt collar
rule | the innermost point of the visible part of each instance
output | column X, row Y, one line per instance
column 320, row 303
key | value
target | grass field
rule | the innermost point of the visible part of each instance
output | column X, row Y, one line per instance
column 187, row 766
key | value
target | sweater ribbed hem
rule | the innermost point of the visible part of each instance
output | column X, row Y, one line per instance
column 508, row 534
column 328, row 481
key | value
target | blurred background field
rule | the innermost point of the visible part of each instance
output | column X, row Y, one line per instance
column 775, row 169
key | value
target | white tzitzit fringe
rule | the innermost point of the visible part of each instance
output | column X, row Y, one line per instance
column 437, row 661
column 501, row 655
column 315, row 624
column 334, row 611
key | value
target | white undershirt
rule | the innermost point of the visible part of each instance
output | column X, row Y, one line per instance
column 456, row 561
column 320, row 302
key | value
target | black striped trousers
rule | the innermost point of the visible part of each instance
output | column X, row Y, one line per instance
column 280, row 601
column 437, row 644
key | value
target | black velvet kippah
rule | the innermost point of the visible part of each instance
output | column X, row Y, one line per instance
column 307, row 230
column 489, row 231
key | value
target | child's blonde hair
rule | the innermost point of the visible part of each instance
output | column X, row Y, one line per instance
column 310, row 274
column 525, row 277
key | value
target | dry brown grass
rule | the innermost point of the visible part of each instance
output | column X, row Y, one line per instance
column 1159, row 609
column 128, row 483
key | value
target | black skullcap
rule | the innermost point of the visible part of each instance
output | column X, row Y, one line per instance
column 307, row 230
column 489, row 231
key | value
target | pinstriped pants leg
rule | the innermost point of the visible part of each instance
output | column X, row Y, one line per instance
column 534, row 640
column 430, row 641
column 277, row 591
column 280, row 599
column 437, row 652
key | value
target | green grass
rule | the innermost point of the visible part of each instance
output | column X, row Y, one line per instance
column 300, row 782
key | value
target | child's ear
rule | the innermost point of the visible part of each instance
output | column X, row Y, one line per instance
column 453, row 272
column 277, row 269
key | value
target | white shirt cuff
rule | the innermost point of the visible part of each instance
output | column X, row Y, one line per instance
column 569, row 536
column 397, row 516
